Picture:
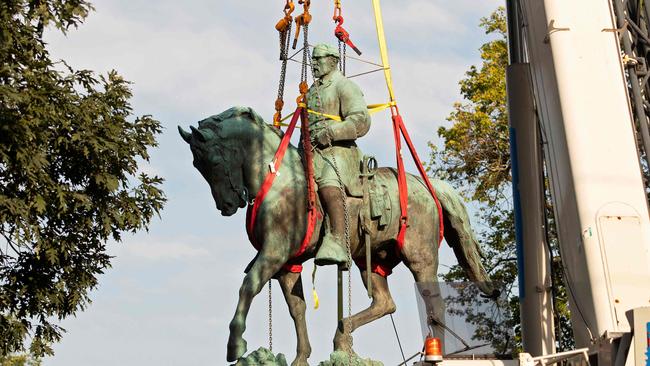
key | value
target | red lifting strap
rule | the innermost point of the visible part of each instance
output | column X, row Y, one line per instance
column 274, row 167
column 399, row 127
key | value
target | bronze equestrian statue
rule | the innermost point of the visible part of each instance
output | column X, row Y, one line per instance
column 232, row 151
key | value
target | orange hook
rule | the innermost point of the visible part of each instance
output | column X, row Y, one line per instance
column 302, row 88
column 283, row 24
column 337, row 11
column 302, row 19
column 344, row 36
column 289, row 7
column 277, row 117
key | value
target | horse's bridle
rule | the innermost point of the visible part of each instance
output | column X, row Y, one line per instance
column 242, row 192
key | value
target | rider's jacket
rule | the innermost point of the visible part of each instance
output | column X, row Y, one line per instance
column 335, row 94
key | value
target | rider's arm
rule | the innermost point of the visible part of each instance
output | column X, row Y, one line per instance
column 354, row 113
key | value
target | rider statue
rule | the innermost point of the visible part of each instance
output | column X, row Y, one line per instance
column 337, row 158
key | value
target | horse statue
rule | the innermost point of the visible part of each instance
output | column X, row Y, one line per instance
column 232, row 151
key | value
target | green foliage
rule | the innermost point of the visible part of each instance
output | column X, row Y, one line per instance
column 477, row 145
column 19, row 360
column 476, row 156
column 68, row 163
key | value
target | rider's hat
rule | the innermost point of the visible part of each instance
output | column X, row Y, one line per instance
column 322, row 50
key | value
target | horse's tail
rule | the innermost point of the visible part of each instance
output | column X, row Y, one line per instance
column 460, row 237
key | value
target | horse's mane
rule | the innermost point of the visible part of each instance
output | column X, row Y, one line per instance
column 237, row 112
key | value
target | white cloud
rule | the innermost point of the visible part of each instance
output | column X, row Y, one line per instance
column 434, row 16
column 180, row 69
column 158, row 251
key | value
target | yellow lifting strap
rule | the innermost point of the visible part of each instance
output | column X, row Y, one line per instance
column 372, row 109
column 383, row 49
column 330, row 116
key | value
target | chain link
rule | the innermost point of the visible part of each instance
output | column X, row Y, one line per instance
column 343, row 58
column 343, row 50
column 305, row 54
column 340, row 58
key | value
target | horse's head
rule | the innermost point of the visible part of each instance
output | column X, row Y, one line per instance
column 217, row 150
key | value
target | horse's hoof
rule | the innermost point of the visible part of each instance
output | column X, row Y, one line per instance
column 300, row 362
column 343, row 342
column 236, row 350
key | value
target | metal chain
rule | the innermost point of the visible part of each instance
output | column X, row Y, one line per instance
column 345, row 211
column 345, row 201
column 305, row 54
column 347, row 330
column 285, row 39
column 343, row 49
column 340, row 58
column 270, row 319
column 347, row 220
column 343, row 57
column 318, row 108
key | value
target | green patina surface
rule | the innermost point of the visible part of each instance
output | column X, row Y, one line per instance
column 232, row 151
column 340, row 358
column 262, row 357
column 334, row 94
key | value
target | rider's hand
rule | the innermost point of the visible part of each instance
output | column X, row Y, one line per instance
column 322, row 138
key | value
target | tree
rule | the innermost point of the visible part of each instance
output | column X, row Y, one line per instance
column 19, row 360
column 476, row 156
column 69, row 177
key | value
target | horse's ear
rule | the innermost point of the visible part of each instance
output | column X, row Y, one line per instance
column 185, row 135
column 203, row 135
column 254, row 116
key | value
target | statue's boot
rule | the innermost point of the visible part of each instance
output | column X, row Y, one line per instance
column 333, row 249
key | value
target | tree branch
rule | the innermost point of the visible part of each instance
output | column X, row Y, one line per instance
column 10, row 243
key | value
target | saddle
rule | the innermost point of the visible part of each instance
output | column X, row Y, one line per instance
column 358, row 180
column 376, row 204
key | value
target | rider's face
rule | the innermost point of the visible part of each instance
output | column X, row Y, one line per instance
column 322, row 66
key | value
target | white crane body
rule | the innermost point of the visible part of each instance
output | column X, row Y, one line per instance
column 579, row 106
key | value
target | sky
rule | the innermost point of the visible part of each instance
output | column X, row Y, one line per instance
column 172, row 291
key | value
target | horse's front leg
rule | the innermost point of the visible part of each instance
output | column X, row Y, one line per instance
column 291, row 284
column 265, row 266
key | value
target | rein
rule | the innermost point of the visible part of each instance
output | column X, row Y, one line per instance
column 242, row 192
column 274, row 167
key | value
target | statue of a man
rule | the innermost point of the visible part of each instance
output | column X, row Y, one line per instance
column 335, row 149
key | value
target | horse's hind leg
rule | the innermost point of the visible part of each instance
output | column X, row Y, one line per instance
column 382, row 304
column 291, row 284
column 422, row 260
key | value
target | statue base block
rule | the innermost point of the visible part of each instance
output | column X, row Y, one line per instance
column 341, row 358
column 262, row 357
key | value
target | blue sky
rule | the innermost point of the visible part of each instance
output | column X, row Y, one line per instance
column 172, row 291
